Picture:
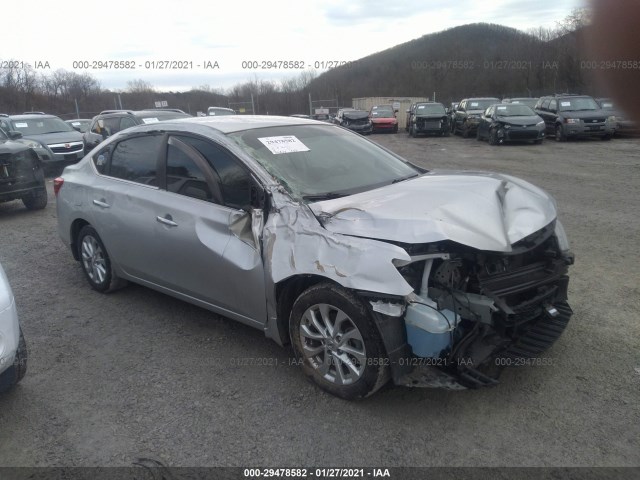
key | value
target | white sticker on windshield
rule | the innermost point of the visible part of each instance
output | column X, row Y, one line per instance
column 150, row 120
column 502, row 108
column 75, row 123
column 421, row 107
column 607, row 105
column 474, row 104
column 516, row 101
column 565, row 104
column 283, row 144
column 21, row 125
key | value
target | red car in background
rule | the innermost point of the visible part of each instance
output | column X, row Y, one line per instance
column 383, row 118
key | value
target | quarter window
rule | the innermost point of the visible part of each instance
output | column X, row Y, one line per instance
column 184, row 176
column 135, row 159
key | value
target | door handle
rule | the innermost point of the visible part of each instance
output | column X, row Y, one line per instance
column 167, row 220
column 101, row 203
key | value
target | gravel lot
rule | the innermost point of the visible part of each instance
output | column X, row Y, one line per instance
column 137, row 374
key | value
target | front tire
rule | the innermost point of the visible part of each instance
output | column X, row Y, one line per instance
column 465, row 131
column 560, row 137
column 95, row 261
column 340, row 348
column 16, row 372
column 493, row 137
column 37, row 199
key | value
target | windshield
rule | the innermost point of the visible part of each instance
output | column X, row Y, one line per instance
column 429, row 108
column 606, row 104
column 514, row 110
column 315, row 160
column 220, row 111
column 529, row 102
column 382, row 112
column 481, row 104
column 37, row 126
column 577, row 104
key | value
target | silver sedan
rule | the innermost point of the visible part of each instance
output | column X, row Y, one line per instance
column 370, row 267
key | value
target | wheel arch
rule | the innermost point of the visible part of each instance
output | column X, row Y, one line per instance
column 287, row 292
column 74, row 230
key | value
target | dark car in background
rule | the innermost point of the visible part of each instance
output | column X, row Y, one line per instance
column 467, row 115
column 575, row 116
column 79, row 124
column 53, row 140
column 623, row 124
column 507, row 122
column 109, row 122
column 356, row 120
column 21, row 174
column 383, row 119
column 428, row 118
column 528, row 101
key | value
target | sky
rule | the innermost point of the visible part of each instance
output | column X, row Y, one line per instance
column 223, row 35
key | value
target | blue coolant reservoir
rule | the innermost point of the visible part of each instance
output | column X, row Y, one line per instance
column 429, row 330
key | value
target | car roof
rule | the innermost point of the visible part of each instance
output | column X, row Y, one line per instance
column 237, row 123
column 31, row 116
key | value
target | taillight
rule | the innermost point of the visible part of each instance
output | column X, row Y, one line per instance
column 57, row 185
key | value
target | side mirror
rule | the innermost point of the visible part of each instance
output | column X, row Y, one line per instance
column 14, row 135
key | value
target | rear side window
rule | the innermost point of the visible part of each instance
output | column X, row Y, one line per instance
column 135, row 159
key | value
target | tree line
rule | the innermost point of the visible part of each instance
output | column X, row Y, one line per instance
column 470, row 60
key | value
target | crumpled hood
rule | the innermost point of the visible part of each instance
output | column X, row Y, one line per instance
column 355, row 115
column 486, row 211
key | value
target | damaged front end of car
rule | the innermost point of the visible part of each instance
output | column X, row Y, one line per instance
column 463, row 273
column 472, row 312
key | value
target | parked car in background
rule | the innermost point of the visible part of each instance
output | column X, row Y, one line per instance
column 13, row 348
column 467, row 115
column 53, row 140
column 528, row 101
column 356, row 120
column 339, row 116
column 451, row 112
column 429, row 118
column 322, row 117
column 109, row 122
column 507, row 122
column 371, row 267
column 21, row 175
column 80, row 124
column 383, row 119
column 218, row 111
column 624, row 126
column 573, row 116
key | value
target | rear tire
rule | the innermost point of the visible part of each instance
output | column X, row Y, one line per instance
column 95, row 262
column 37, row 199
column 332, row 333
column 16, row 372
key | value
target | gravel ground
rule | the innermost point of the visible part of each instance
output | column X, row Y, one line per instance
column 137, row 374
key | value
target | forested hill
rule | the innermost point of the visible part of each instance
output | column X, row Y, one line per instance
column 476, row 59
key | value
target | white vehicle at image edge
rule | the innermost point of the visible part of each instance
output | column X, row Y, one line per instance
column 372, row 268
column 13, row 350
